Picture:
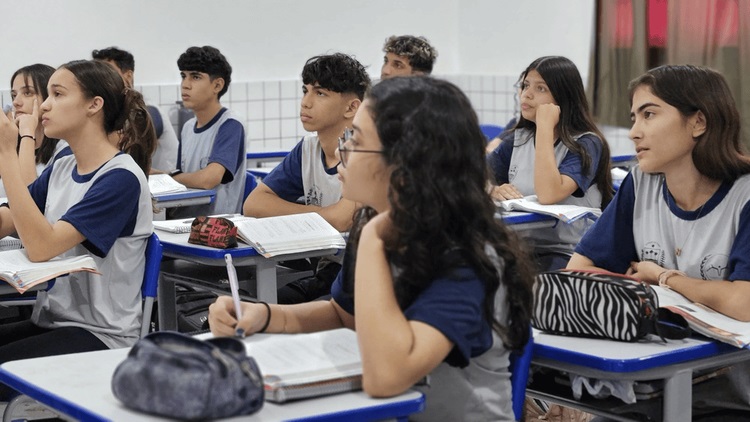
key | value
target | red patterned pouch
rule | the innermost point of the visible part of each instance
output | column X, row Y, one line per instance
column 215, row 232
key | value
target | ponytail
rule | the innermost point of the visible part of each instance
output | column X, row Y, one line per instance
column 138, row 137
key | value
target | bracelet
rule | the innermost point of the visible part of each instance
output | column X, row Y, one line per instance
column 665, row 275
column 27, row 136
column 268, row 319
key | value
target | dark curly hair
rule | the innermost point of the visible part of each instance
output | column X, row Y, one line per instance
column 209, row 60
column 564, row 82
column 418, row 50
column 122, row 58
column 39, row 75
column 442, row 216
column 337, row 72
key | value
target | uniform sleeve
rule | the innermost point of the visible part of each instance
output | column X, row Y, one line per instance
column 739, row 256
column 453, row 306
column 286, row 179
column 108, row 210
column 609, row 243
column 572, row 165
column 499, row 159
column 339, row 294
column 229, row 148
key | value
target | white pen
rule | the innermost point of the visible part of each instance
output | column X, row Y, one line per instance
column 234, row 287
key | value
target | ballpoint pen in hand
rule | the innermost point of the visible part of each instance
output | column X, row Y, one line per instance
column 234, row 287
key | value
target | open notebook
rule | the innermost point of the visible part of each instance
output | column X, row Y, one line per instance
column 296, row 366
column 564, row 213
column 286, row 234
column 160, row 184
column 19, row 272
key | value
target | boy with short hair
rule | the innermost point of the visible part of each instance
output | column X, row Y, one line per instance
column 164, row 158
column 407, row 55
column 212, row 151
column 333, row 88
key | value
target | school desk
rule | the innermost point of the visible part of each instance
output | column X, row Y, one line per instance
column 182, row 199
column 522, row 221
column 255, row 159
column 673, row 362
column 79, row 385
column 176, row 246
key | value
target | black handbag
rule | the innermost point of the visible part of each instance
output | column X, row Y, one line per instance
column 174, row 375
column 601, row 305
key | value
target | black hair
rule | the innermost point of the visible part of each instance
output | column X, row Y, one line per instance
column 124, row 109
column 208, row 60
column 418, row 50
column 39, row 75
column 122, row 58
column 337, row 72
column 442, row 216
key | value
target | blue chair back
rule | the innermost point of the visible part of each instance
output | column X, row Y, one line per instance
column 150, row 285
column 491, row 131
column 520, row 363
column 250, row 183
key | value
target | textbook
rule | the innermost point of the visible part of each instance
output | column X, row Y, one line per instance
column 184, row 225
column 296, row 366
column 564, row 213
column 705, row 320
column 286, row 234
column 19, row 272
column 160, row 184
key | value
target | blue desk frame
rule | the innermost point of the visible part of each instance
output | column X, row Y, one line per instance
column 181, row 199
column 673, row 362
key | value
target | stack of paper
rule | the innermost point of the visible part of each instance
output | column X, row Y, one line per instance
column 19, row 272
column 565, row 213
column 160, row 184
column 287, row 234
column 296, row 366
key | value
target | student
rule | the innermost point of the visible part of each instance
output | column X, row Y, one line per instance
column 94, row 202
column 212, row 150
column 333, row 88
column 681, row 218
column 554, row 152
column 35, row 150
column 407, row 55
column 435, row 286
column 164, row 159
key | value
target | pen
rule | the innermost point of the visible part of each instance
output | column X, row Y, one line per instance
column 234, row 287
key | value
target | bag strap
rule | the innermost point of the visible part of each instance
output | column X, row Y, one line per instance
column 670, row 325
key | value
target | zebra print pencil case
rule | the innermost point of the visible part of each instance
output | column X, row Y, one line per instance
column 601, row 305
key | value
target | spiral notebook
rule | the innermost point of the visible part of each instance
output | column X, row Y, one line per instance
column 297, row 366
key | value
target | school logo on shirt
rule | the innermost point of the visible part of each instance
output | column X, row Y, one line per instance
column 653, row 252
column 512, row 172
column 314, row 196
column 714, row 266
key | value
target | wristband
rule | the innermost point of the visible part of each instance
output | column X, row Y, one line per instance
column 27, row 136
column 268, row 318
column 665, row 275
column 174, row 173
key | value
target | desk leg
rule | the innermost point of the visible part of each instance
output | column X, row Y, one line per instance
column 167, row 309
column 265, row 276
column 678, row 396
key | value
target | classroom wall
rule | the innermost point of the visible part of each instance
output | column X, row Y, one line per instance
column 482, row 45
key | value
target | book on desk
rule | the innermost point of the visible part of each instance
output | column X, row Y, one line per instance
column 296, row 366
column 564, row 213
column 17, row 270
column 160, row 184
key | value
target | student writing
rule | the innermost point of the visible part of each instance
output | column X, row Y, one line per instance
column 439, row 291
column 555, row 152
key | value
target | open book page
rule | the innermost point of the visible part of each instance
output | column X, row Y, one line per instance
column 565, row 213
column 18, row 271
column 285, row 234
column 316, row 360
column 184, row 225
column 704, row 319
column 160, row 184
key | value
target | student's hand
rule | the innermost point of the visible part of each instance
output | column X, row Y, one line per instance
column 547, row 116
column 8, row 135
column 645, row 271
column 223, row 322
column 27, row 123
column 505, row 191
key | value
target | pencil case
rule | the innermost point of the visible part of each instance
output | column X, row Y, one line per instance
column 601, row 305
column 215, row 232
column 181, row 377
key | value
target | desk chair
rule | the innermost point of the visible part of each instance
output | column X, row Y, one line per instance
column 28, row 407
column 491, row 131
column 520, row 363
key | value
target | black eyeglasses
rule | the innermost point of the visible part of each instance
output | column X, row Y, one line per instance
column 344, row 152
